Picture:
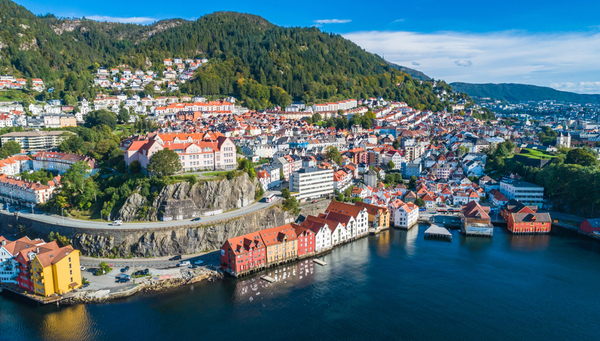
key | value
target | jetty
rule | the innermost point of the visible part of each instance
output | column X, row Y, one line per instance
column 267, row 278
column 435, row 231
column 38, row 299
column 320, row 262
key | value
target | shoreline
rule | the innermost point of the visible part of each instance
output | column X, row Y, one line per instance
column 145, row 285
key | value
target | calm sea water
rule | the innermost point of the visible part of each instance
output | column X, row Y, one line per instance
column 394, row 286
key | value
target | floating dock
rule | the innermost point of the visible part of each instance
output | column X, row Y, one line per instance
column 267, row 278
column 435, row 231
column 320, row 262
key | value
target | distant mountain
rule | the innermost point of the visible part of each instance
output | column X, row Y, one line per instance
column 522, row 92
column 412, row 72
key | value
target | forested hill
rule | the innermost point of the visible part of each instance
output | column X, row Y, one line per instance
column 522, row 92
column 249, row 58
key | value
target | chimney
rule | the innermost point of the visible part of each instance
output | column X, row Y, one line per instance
column 3, row 242
column 37, row 249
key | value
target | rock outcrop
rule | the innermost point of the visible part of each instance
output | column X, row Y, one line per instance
column 182, row 201
column 177, row 240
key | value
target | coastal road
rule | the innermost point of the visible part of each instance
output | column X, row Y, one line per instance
column 209, row 258
column 56, row 219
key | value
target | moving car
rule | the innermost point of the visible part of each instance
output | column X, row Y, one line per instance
column 196, row 219
column 175, row 258
column 118, row 222
column 184, row 263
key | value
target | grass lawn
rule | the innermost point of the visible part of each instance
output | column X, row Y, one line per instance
column 536, row 154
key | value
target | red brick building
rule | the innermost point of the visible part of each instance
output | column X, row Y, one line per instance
column 243, row 253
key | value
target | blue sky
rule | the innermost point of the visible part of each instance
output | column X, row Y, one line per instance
column 546, row 43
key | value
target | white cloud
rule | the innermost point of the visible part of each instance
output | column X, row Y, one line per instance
column 561, row 60
column 133, row 20
column 332, row 21
column 397, row 20
column 416, row 64
column 463, row 63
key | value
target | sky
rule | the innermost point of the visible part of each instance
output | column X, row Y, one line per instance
column 546, row 43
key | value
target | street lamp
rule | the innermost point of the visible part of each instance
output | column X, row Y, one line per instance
column 63, row 214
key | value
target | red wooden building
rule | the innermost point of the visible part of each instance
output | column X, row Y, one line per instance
column 306, row 240
column 590, row 226
column 529, row 222
column 243, row 253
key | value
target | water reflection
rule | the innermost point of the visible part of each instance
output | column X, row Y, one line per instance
column 477, row 243
column 72, row 323
column 287, row 277
column 528, row 242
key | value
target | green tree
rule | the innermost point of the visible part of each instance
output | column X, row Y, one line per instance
column 420, row 202
column 9, row 148
column 390, row 165
column 580, row 156
column 396, row 144
column 99, row 117
column 412, row 183
column 164, row 162
column 316, row 117
column 230, row 175
column 123, row 115
column 135, row 167
column 333, row 153
column 285, row 193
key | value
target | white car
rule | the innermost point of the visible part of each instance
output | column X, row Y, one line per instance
column 184, row 263
column 82, row 268
column 118, row 222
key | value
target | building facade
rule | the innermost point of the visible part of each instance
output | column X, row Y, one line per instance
column 309, row 183
column 525, row 192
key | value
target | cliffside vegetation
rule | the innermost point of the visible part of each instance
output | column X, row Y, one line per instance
column 522, row 92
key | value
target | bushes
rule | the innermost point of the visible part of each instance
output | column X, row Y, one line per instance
column 103, row 269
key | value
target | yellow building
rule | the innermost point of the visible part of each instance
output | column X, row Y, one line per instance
column 379, row 217
column 281, row 243
column 56, row 271
column 68, row 121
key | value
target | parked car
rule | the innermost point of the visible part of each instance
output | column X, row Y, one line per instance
column 146, row 271
column 184, row 263
column 196, row 219
column 199, row 262
column 125, row 269
column 315, row 201
column 122, row 280
column 86, row 285
column 139, row 273
column 175, row 258
column 82, row 268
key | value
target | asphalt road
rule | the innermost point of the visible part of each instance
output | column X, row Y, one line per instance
column 56, row 219
column 209, row 258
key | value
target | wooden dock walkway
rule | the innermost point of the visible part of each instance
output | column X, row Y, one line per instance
column 320, row 262
column 267, row 278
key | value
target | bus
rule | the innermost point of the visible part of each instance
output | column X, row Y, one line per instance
column 270, row 197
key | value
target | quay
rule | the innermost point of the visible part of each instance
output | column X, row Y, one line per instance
column 320, row 262
column 21, row 292
column 435, row 231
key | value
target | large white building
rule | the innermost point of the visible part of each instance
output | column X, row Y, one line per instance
column 406, row 215
column 36, row 139
column 197, row 151
column 20, row 191
column 525, row 192
column 308, row 183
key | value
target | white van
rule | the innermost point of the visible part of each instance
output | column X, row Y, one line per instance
column 118, row 222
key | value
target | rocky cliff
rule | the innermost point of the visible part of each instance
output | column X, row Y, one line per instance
column 174, row 241
column 182, row 201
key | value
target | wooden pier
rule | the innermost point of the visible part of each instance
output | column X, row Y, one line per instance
column 267, row 278
column 438, row 232
column 320, row 262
